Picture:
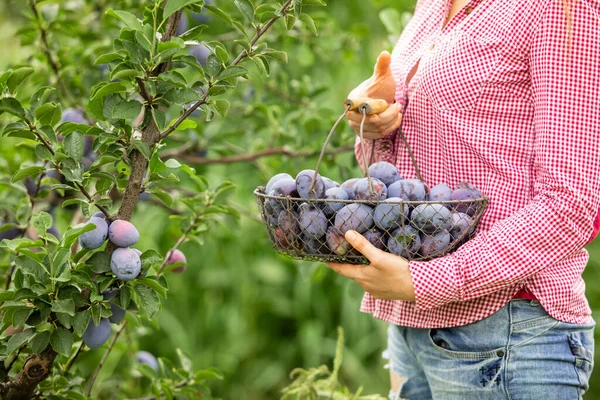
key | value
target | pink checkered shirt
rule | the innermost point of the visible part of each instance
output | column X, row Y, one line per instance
column 507, row 99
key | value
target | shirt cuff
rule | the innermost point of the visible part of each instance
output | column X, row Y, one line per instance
column 436, row 282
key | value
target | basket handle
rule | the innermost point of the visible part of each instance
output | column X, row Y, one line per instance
column 366, row 106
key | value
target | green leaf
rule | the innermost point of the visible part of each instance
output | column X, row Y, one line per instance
column 17, row 77
column 18, row 339
column 108, row 57
column 313, row 3
column 12, row 106
column 40, row 96
column 27, row 172
column 125, row 297
column 122, row 109
column 213, row 65
column 148, row 300
column 222, row 107
column 40, row 341
column 14, row 305
column 66, row 306
column 154, row 285
column 221, row 54
column 81, row 321
column 41, row 221
column 290, row 21
column 246, row 8
column 277, row 55
column 220, row 13
column 99, row 262
column 310, row 24
column 71, row 235
column 42, row 152
column 95, row 106
column 233, row 72
column 62, row 341
column 48, row 114
column 162, row 195
column 74, row 145
column 130, row 20
column 174, row 5
column 193, row 33
column 172, row 163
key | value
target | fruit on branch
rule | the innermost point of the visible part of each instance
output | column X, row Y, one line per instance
column 125, row 264
column 304, row 180
column 73, row 115
column 100, row 214
column 145, row 357
column 183, row 25
column 385, row 172
column 177, row 256
column 94, row 238
column 10, row 233
column 362, row 190
column 200, row 52
column 123, row 233
column 96, row 335
column 118, row 314
column 110, row 294
column 203, row 17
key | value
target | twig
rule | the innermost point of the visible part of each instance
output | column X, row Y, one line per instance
column 9, row 367
column 285, row 151
column 244, row 54
column 177, row 386
column 177, row 244
column 103, row 360
column 72, row 360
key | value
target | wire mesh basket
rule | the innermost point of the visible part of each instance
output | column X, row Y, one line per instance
column 306, row 218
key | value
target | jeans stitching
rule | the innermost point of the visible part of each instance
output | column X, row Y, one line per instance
column 465, row 355
column 533, row 323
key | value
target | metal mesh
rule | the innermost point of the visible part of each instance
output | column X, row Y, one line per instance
column 313, row 229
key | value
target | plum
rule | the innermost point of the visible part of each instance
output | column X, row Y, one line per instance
column 358, row 217
column 348, row 186
column 138, row 252
column 362, row 190
column 390, row 216
column 334, row 193
column 72, row 115
column 376, row 238
column 118, row 314
column 176, row 256
column 183, row 25
column 435, row 244
column 145, row 357
column 275, row 178
column 203, row 17
column 200, row 52
column 125, row 264
column 385, row 172
column 110, row 294
column 465, row 185
column 404, row 242
column 461, row 223
column 288, row 230
column 430, row 218
column 408, row 189
column 123, row 233
column 313, row 222
column 272, row 209
column 329, row 183
column 283, row 187
column 314, row 247
column 440, row 192
column 95, row 238
column 466, row 193
column 338, row 243
column 304, row 181
column 100, row 214
column 96, row 335
column 10, row 233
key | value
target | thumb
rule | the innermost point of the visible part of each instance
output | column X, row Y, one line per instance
column 382, row 67
column 360, row 243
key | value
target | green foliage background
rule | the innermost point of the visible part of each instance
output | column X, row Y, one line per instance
column 239, row 306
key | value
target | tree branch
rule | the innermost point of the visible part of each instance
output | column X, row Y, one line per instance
column 104, row 357
column 36, row 369
column 244, row 54
column 277, row 151
column 177, row 244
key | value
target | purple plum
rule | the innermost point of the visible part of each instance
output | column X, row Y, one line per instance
column 123, row 233
column 385, row 172
column 329, row 183
column 118, row 314
column 10, row 233
column 348, row 186
column 125, row 264
column 96, row 335
column 338, row 243
column 176, row 256
column 466, row 193
column 200, row 52
column 73, row 115
column 404, row 242
column 461, row 223
column 408, row 189
column 376, row 238
column 145, row 357
column 289, row 229
column 440, row 192
column 334, row 193
column 436, row 244
column 275, row 178
column 430, row 218
column 362, row 190
column 313, row 222
column 95, row 238
column 390, row 215
column 358, row 217
column 315, row 247
column 304, row 181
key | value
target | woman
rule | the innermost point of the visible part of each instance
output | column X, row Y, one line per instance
column 504, row 95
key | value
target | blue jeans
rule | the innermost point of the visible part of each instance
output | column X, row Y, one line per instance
column 518, row 353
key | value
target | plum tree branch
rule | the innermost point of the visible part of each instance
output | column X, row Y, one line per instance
column 243, row 55
column 36, row 369
column 285, row 151
column 177, row 244
column 104, row 357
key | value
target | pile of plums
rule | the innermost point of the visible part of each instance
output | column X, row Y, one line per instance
column 307, row 216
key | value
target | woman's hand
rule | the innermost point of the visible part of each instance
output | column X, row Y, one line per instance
column 381, row 85
column 387, row 277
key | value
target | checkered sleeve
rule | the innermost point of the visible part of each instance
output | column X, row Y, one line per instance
column 565, row 195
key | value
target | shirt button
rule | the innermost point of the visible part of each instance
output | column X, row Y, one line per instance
column 500, row 353
column 468, row 10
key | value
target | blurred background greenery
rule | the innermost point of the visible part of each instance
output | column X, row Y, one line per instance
column 239, row 306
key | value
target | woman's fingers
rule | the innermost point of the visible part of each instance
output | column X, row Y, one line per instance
column 376, row 119
column 374, row 132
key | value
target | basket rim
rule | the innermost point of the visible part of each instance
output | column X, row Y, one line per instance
column 259, row 192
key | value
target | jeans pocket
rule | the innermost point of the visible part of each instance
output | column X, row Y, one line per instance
column 582, row 347
column 441, row 341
